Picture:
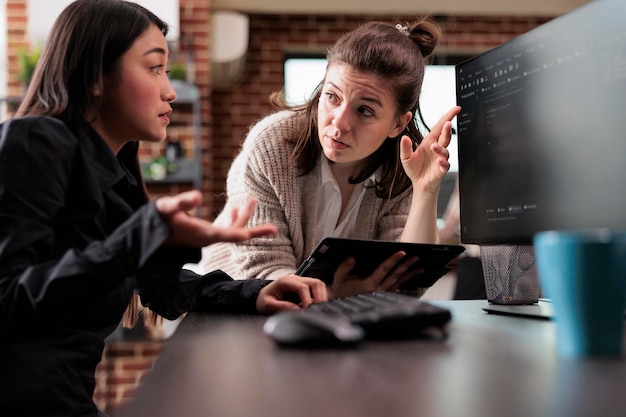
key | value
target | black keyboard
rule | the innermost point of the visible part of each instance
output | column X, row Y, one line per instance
column 347, row 321
column 385, row 314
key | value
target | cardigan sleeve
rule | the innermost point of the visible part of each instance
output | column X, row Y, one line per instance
column 262, row 170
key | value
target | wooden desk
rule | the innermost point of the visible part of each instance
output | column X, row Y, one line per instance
column 488, row 366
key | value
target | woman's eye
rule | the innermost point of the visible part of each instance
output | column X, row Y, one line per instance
column 365, row 111
column 331, row 97
column 157, row 69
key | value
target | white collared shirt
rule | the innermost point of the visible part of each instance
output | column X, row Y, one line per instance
column 329, row 207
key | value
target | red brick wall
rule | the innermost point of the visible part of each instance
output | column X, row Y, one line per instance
column 122, row 367
column 271, row 36
column 17, row 21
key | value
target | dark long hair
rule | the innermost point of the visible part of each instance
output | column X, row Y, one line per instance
column 86, row 43
column 396, row 54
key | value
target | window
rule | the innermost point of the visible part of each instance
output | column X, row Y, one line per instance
column 43, row 13
column 302, row 75
column 438, row 96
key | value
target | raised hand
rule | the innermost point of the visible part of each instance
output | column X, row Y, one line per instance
column 428, row 164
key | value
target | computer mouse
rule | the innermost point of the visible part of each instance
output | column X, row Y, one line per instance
column 297, row 329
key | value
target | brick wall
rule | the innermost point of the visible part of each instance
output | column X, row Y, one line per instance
column 120, row 372
column 17, row 20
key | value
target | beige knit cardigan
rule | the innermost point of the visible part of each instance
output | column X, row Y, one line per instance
column 262, row 170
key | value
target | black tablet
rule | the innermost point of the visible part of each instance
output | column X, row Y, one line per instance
column 369, row 254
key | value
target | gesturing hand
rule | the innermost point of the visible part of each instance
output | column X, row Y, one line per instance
column 190, row 231
column 428, row 164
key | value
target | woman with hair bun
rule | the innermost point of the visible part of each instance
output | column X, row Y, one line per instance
column 350, row 162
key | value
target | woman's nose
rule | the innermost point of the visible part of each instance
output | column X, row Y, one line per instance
column 169, row 94
column 341, row 118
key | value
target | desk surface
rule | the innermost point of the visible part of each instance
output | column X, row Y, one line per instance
column 489, row 365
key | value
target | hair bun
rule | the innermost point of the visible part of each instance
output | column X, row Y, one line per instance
column 425, row 33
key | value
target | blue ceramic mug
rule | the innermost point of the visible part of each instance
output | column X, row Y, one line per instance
column 583, row 272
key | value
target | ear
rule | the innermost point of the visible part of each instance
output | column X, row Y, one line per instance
column 97, row 89
column 402, row 123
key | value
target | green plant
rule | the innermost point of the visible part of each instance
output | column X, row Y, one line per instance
column 28, row 61
column 178, row 71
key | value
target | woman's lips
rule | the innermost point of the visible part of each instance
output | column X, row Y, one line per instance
column 166, row 116
column 336, row 144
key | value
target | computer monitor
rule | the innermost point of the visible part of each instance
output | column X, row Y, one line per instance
column 542, row 130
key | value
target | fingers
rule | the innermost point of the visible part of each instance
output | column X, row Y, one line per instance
column 313, row 291
column 343, row 270
column 274, row 296
column 234, row 215
column 319, row 291
column 440, row 147
column 442, row 153
column 450, row 114
column 247, row 211
column 181, row 202
column 393, row 285
column 406, row 148
column 273, row 305
column 394, row 269
column 241, row 219
column 250, row 205
column 441, row 133
column 381, row 273
column 238, row 234
column 446, row 135
column 191, row 231
column 262, row 230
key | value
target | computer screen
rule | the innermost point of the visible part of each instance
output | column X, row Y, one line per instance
column 542, row 130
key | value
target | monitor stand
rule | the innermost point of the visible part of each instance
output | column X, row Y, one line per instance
column 510, row 274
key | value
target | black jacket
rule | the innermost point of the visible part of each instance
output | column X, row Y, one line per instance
column 76, row 239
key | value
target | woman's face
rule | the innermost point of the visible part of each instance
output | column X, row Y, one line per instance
column 356, row 113
column 136, row 97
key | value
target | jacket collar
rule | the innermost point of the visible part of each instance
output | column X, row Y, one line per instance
column 110, row 168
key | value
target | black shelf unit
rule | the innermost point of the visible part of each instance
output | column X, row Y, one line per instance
column 189, row 170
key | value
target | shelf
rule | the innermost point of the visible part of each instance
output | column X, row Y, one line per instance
column 188, row 171
column 185, row 92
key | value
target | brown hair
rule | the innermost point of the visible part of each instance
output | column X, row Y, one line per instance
column 394, row 53
column 85, row 43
